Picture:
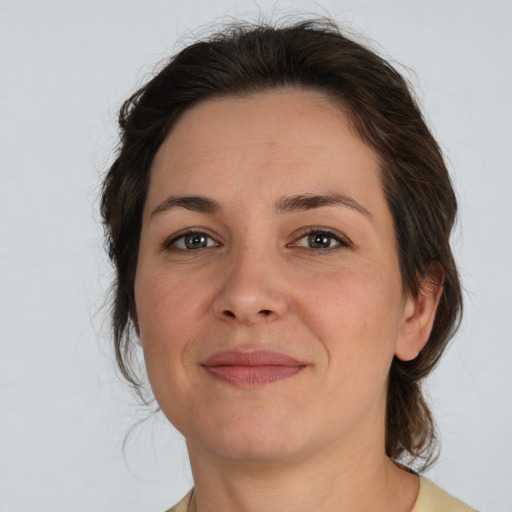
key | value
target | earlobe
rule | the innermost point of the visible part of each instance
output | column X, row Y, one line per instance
column 419, row 315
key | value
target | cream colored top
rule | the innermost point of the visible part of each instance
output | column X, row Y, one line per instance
column 430, row 499
column 433, row 499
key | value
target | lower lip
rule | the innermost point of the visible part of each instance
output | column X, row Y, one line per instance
column 249, row 376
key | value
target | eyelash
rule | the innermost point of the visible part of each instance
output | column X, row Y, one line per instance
column 170, row 243
column 342, row 242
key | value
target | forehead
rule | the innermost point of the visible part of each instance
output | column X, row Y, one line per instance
column 274, row 143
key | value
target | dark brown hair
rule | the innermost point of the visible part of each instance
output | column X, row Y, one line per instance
column 243, row 59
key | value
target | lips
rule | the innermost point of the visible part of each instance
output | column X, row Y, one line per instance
column 247, row 369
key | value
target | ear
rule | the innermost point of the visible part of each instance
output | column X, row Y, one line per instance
column 419, row 314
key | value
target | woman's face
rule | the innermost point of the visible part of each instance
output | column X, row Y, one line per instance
column 268, row 293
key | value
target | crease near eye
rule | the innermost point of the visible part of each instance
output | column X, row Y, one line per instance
column 320, row 240
column 314, row 239
column 191, row 240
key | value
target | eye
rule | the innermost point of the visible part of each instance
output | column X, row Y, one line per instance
column 320, row 240
column 191, row 240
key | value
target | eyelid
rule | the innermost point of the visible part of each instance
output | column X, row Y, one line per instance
column 344, row 241
column 169, row 242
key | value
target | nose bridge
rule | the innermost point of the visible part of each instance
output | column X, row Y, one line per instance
column 251, row 290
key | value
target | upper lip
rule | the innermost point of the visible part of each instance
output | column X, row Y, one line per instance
column 252, row 358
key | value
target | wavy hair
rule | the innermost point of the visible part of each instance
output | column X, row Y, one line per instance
column 317, row 55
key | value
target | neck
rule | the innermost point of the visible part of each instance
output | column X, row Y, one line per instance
column 362, row 479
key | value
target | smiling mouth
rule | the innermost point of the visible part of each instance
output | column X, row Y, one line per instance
column 249, row 369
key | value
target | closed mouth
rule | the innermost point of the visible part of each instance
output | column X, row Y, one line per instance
column 254, row 368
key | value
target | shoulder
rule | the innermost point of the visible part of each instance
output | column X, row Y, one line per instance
column 182, row 506
column 431, row 498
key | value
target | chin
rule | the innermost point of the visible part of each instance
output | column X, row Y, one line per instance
column 254, row 440
column 253, row 450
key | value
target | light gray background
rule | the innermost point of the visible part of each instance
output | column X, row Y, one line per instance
column 65, row 66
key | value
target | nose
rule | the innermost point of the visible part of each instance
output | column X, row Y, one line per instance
column 252, row 290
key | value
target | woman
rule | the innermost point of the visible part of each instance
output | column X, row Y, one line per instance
column 279, row 219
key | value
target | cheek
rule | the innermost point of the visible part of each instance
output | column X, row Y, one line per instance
column 357, row 318
column 167, row 305
column 351, row 302
column 168, row 317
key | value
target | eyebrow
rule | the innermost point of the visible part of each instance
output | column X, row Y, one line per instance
column 309, row 202
column 199, row 204
column 302, row 202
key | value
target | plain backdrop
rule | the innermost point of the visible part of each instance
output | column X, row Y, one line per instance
column 65, row 67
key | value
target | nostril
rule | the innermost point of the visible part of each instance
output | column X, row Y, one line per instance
column 261, row 313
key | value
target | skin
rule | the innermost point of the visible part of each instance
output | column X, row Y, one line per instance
column 314, row 441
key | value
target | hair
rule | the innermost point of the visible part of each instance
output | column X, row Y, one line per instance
column 314, row 54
